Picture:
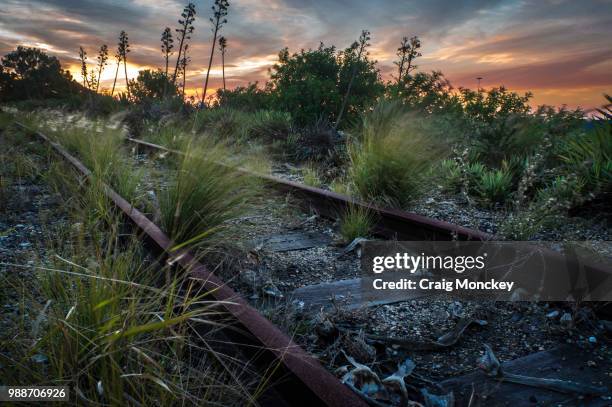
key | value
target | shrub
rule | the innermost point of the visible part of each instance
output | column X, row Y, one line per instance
column 389, row 160
column 356, row 222
column 450, row 175
column 494, row 186
column 589, row 156
column 548, row 209
column 270, row 126
column 222, row 124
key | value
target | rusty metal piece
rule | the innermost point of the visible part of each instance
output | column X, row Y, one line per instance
column 304, row 379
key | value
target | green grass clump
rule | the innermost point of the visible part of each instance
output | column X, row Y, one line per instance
column 356, row 222
column 203, row 195
column 270, row 126
column 222, row 124
column 311, row 176
column 494, row 186
column 389, row 160
column 100, row 147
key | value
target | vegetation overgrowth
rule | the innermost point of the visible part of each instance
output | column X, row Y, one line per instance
column 325, row 108
column 99, row 314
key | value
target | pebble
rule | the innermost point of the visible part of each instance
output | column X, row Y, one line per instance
column 553, row 314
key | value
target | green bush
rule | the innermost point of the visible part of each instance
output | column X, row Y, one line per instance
column 389, row 160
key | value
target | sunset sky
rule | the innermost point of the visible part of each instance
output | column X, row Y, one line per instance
column 560, row 50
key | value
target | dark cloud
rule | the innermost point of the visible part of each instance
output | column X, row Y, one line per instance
column 528, row 43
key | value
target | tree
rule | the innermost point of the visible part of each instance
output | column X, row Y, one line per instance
column 123, row 49
column 166, row 46
column 83, row 59
column 219, row 12
column 29, row 73
column 360, row 47
column 184, row 62
column 407, row 53
column 150, row 85
column 102, row 58
column 222, row 48
column 305, row 84
column 118, row 57
column 185, row 31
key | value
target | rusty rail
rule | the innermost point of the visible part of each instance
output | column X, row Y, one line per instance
column 304, row 380
column 391, row 223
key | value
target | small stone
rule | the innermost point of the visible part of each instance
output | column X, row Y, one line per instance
column 40, row 358
column 566, row 320
column 553, row 314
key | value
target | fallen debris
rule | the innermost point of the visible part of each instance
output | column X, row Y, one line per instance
column 492, row 367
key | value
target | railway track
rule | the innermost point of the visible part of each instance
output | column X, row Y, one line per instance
column 302, row 379
column 391, row 223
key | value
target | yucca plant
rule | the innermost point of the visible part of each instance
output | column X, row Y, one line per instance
column 389, row 159
column 494, row 186
column 202, row 195
column 589, row 155
column 450, row 175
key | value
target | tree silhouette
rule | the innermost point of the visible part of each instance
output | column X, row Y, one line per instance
column 83, row 59
column 30, row 73
column 123, row 48
column 102, row 58
column 184, row 62
column 185, row 31
column 166, row 46
column 407, row 53
column 118, row 57
column 222, row 48
column 218, row 19
column 360, row 47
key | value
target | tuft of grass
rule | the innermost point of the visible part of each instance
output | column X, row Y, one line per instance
column 311, row 176
column 100, row 147
column 222, row 124
column 270, row 126
column 356, row 222
column 203, row 195
column 341, row 186
column 389, row 160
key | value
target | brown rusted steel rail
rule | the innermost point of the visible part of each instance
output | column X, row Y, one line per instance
column 391, row 223
column 305, row 380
